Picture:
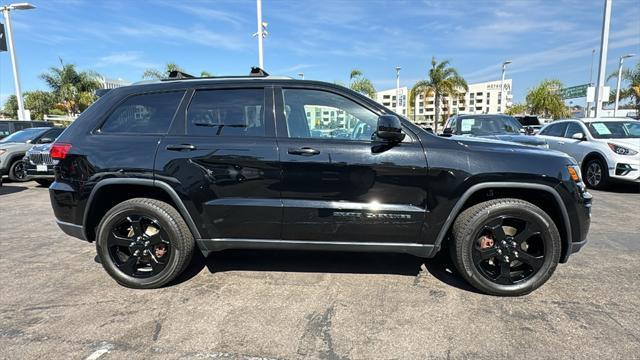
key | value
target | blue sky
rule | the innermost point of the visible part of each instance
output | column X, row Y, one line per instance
column 324, row 39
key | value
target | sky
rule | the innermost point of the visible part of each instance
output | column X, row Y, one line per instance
column 324, row 39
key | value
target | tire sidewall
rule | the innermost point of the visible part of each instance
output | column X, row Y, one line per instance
column 167, row 224
column 604, row 171
column 551, row 251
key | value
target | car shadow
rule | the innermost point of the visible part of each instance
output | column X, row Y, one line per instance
column 335, row 262
column 623, row 188
column 11, row 189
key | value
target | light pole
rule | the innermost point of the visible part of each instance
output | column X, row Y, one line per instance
column 615, row 109
column 593, row 52
column 12, row 52
column 504, row 69
column 261, row 34
column 398, row 68
column 604, row 48
column 301, row 76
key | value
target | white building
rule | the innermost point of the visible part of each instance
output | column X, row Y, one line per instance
column 388, row 99
column 113, row 83
column 481, row 98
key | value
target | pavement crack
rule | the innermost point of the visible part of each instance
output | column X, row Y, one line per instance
column 317, row 341
column 156, row 332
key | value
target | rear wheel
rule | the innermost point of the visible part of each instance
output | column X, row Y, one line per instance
column 144, row 243
column 596, row 174
column 505, row 246
column 18, row 172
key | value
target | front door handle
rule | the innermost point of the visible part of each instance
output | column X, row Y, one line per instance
column 560, row 142
column 304, row 151
column 181, row 147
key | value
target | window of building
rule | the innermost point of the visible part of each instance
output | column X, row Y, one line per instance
column 143, row 114
column 356, row 123
column 237, row 112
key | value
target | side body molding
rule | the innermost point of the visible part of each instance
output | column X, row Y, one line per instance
column 505, row 185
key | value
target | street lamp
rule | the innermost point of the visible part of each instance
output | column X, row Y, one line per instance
column 398, row 68
column 504, row 68
column 615, row 109
column 261, row 34
column 301, row 76
column 12, row 52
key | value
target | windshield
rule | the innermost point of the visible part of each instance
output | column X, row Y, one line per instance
column 489, row 125
column 23, row 136
column 615, row 129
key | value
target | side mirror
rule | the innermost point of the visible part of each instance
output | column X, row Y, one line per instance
column 529, row 130
column 390, row 129
column 45, row 140
column 578, row 136
column 447, row 132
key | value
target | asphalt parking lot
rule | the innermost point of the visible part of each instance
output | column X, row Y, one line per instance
column 57, row 302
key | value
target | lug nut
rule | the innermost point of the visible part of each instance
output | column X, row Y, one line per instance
column 146, row 243
column 136, row 253
column 515, row 253
column 506, row 259
column 499, row 251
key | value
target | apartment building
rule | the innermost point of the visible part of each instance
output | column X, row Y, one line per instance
column 388, row 99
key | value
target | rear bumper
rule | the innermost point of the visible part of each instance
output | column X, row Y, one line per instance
column 71, row 229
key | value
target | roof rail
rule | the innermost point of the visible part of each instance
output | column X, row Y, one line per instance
column 177, row 74
column 256, row 71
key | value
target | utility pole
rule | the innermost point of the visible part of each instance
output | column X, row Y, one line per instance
column 398, row 88
column 261, row 34
column 604, row 48
column 615, row 109
column 22, row 114
column 593, row 52
column 503, row 105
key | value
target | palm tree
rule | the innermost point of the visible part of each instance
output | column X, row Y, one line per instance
column 545, row 99
column 441, row 80
column 632, row 76
column 157, row 74
column 361, row 84
column 72, row 89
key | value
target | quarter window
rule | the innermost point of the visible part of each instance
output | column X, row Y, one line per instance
column 238, row 112
column 325, row 115
column 143, row 114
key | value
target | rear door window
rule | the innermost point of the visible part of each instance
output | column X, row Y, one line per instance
column 572, row 129
column 229, row 112
column 555, row 130
column 144, row 114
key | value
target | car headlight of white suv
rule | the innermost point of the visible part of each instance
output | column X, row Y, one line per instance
column 621, row 150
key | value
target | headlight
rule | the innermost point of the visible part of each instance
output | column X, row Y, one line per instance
column 574, row 172
column 621, row 150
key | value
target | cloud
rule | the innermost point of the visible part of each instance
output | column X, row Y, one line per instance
column 206, row 12
column 294, row 68
column 132, row 59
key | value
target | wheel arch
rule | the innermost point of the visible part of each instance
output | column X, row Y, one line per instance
column 593, row 155
column 550, row 202
column 109, row 192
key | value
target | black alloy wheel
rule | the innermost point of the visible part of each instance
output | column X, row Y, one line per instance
column 505, row 246
column 144, row 243
column 138, row 245
column 18, row 171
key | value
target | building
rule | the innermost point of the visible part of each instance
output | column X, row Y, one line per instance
column 113, row 83
column 481, row 98
column 388, row 99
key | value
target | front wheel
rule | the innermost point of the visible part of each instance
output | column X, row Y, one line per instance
column 506, row 247
column 144, row 243
column 18, row 172
column 597, row 174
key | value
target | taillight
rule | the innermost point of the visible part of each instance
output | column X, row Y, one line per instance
column 59, row 151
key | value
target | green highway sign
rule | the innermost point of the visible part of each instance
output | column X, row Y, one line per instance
column 574, row 92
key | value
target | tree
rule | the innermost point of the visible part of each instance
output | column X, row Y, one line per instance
column 545, row 99
column 69, row 85
column 517, row 109
column 361, row 84
column 39, row 103
column 632, row 77
column 159, row 74
column 441, row 80
column 11, row 107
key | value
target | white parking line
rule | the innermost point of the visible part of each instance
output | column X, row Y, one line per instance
column 96, row 354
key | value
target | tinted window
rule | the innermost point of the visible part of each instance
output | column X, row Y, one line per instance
column 227, row 113
column 573, row 128
column 554, row 130
column 4, row 129
column 24, row 135
column 615, row 129
column 52, row 134
column 488, row 124
column 325, row 115
column 144, row 114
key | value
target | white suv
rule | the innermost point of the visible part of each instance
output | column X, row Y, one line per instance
column 606, row 148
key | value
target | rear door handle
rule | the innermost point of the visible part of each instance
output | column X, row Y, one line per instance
column 181, row 147
column 304, row 151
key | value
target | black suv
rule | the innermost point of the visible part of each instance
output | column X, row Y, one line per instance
column 154, row 170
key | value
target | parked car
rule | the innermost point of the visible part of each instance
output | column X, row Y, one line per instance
column 498, row 127
column 152, row 171
column 14, row 147
column 530, row 122
column 39, row 165
column 8, row 127
column 607, row 149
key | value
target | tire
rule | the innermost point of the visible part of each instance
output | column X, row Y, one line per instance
column 596, row 174
column 17, row 172
column 531, row 254
column 116, row 252
column 44, row 182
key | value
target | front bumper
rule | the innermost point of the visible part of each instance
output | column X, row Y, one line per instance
column 71, row 229
column 625, row 168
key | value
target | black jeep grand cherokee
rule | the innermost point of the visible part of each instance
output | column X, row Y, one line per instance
column 153, row 170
